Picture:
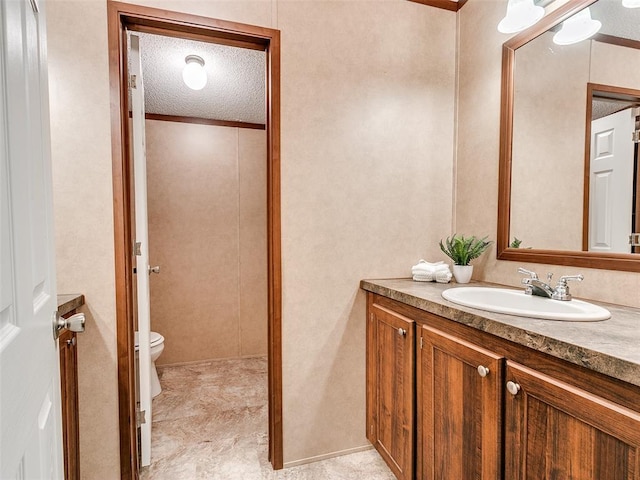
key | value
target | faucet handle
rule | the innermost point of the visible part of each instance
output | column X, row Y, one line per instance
column 561, row 291
column 524, row 271
column 565, row 278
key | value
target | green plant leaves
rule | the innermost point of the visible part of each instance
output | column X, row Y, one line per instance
column 463, row 249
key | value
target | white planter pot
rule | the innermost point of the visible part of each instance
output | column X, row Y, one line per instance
column 462, row 273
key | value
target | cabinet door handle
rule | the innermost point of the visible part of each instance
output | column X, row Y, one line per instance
column 402, row 332
column 513, row 388
column 483, row 371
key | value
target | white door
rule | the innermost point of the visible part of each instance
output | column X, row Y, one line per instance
column 142, row 237
column 611, row 183
column 30, row 412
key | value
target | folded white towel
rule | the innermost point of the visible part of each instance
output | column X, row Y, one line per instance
column 424, row 277
column 429, row 264
column 440, row 277
column 431, row 272
column 443, row 276
column 427, row 267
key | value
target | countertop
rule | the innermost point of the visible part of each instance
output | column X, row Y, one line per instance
column 69, row 302
column 611, row 347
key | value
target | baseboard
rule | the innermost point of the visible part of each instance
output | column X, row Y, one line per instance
column 340, row 453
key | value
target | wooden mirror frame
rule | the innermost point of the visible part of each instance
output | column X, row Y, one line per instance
column 607, row 261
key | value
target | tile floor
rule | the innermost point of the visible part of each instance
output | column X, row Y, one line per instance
column 210, row 422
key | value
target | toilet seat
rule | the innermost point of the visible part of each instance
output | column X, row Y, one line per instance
column 154, row 337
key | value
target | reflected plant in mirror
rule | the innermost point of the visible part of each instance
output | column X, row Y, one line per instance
column 569, row 169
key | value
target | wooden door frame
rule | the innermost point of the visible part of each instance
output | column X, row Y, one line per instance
column 596, row 90
column 163, row 22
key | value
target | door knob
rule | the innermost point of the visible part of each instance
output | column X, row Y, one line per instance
column 483, row 371
column 513, row 388
column 155, row 269
column 402, row 332
column 75, row 323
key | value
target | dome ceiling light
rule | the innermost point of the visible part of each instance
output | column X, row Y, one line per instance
column 577, row 28
column 194, row 74
column 521, row 14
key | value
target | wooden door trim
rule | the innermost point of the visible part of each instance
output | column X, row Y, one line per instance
column 219, row 31
column 452, row 5
column 204, row 121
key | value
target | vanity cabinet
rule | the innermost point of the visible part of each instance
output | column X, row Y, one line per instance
column 69, row 389
column 459, row 408
column 557, row 430
column 489, row 409
column 68, row 353
column 391, row 389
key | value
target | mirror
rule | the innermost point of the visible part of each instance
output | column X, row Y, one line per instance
column 562, row 199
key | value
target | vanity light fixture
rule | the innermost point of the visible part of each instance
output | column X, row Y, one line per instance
column 194, row 74
column 521, row 14
column 631, row 3
column 577, row 28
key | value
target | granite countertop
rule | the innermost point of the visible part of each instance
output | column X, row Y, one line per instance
column 611, row 347
column 69, row 302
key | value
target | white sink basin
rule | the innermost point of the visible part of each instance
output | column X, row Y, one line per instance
column 516, row 302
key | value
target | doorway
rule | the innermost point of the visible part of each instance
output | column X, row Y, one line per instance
column 123, row 17
column 611, row 218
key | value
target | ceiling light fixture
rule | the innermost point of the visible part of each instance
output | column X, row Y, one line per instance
column 631, row 3
column 577, row 28
column 194, row 74
column 521, row 14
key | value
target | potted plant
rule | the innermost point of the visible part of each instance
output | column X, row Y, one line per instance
column 462, row 250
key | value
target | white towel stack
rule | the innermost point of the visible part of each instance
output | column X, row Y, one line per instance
column 431, row 272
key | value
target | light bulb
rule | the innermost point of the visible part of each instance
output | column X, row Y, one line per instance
column 194, row 74
column 521, row 14
column 577, row 28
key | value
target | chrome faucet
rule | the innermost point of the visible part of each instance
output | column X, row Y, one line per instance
column 541, row 289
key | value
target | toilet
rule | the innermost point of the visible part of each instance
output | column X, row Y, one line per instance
column 157, row 346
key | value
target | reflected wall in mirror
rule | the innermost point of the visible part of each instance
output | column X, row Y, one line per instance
column 560, row 193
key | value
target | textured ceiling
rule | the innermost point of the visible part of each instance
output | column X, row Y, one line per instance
column 602, row 108
column 235, row 89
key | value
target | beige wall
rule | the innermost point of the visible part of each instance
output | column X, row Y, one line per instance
column 83, row 208
column 367, row 146
column 206, row 187
column 479, row 70
column 610, row 65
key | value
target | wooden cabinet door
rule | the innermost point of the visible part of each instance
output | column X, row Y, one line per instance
column 554, row 430
column 459, row 409
column 69, row 397
column 391, row 389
